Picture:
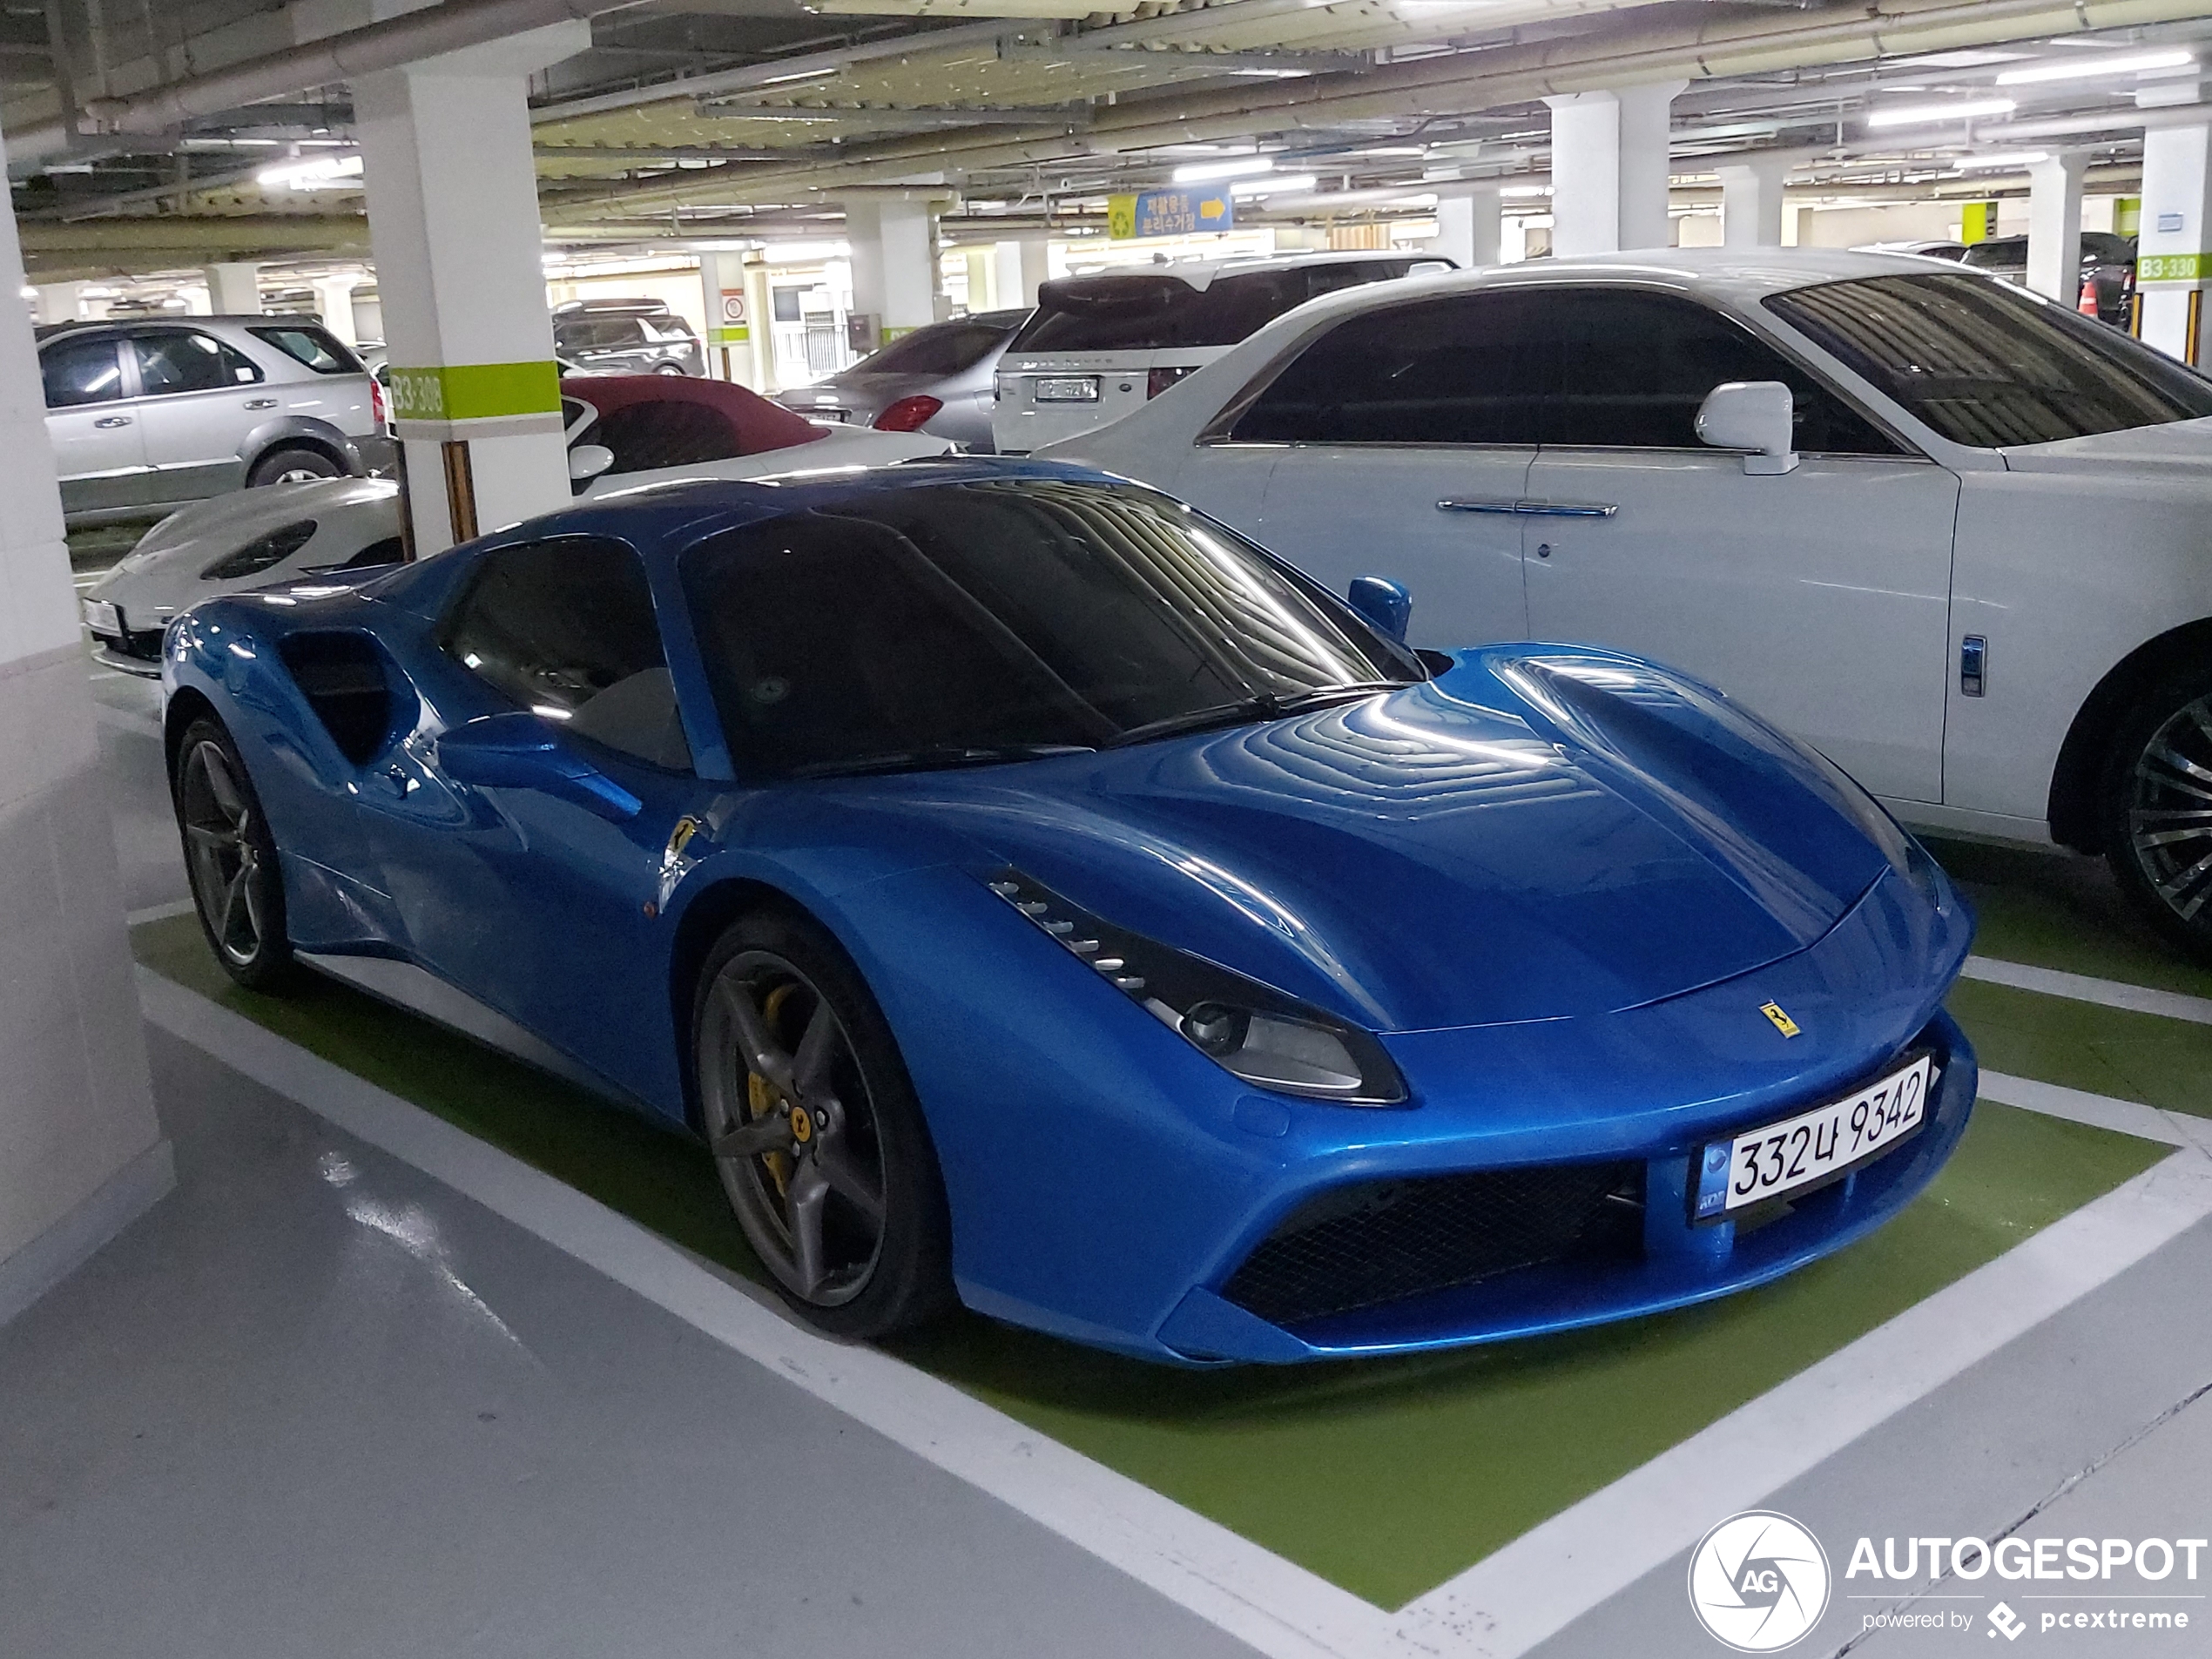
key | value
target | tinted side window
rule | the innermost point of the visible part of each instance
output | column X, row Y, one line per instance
column 1458, row 370
column 175, row 360
column 80, row 371
column 306, row 344
column 664, row 432
column 1633, row 368
column 565, row 627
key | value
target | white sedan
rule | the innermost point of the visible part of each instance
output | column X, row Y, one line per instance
column 637, row 430
column 1958, row 537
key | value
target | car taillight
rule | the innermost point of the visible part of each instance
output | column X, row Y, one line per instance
column 376, row 401
column 1158, row 380
column 908, row 414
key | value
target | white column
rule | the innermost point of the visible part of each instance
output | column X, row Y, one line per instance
column 61, row 302
column 335, row 305
column 894, row 263
column 729, row 320
column 1609, row 169
column 234, row 290
column 1021, row 266
column 2054, row 224
column 1751, row 201
column 81, row 1153
column 1469, row 225
column 2173, row 254
column 460, row 268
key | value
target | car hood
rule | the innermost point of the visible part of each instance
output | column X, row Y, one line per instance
column 161, row 575
column 1536, row 835
column 2183, row 447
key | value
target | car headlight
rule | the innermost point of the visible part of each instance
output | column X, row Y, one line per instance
column 1251, row 1030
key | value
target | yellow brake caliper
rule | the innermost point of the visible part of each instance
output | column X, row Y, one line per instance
column 760, row 1093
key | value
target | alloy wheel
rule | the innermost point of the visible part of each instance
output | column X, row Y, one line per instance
column 2169, row 810
column 789, row 1119
column 221, row 851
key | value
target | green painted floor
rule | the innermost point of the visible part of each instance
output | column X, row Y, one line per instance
column 1387, row 1477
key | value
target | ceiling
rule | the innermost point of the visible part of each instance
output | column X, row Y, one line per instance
column 718, row 118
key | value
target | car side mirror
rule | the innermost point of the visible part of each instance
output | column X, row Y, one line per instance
column 1383, row 605
column 1758, row 417
column 588, row 461
column 520, row 751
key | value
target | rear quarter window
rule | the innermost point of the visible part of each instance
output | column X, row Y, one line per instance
column 310, row 346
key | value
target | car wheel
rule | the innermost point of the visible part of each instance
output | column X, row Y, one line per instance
column 816, row 1132
column 2157, row 808
column 237, row 885
column 669, row 368
column 293, row 466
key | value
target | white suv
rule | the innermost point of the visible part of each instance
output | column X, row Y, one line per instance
column 1097, row 346
column 1956, row 537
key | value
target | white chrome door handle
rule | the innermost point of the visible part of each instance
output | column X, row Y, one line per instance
column 1477, row 504
column 1526, row 508
column 110, row 421
column 260, row 402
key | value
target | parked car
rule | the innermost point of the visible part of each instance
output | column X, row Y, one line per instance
column 2106, row 290
column 1927, row 250
column 955, row 847
column 146, row 415
column 623, row 432
column 626, row 337
column 1950, row 534
column 937, row 379
column 1097, row 346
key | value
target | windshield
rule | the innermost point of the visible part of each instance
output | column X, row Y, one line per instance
column 1984, row 363
column 997, row 618
column 941, row 348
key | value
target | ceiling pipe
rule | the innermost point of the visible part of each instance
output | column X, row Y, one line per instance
column 409, row 38
column 1727, row 42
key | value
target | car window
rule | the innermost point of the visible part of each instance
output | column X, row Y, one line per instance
column 997, row 613
column 304, row 343
column 181, row 360
column 555, row 626
column 940, row 349
column 1998, row 254
column 1456, row 370
column 1633, row 368
column 1985, row 364
column 1148, row 312
column 80, row 371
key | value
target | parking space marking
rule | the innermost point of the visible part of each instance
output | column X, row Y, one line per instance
column 1563, row 1568
column 2082, row 988
column 2055, row 1100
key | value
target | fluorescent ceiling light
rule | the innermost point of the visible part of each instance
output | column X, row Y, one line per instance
column 320, row 173
column 1920, row 114
column 2001, row 161
column 1199, row 172
column 1287, row 183
column 800, row 75
column 2118, row 63
column 1526, row 189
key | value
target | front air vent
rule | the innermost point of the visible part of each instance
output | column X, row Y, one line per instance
column 262, row 553
column 346, row 682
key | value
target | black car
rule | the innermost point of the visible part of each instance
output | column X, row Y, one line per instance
column 2107, row 270
column 626, row 337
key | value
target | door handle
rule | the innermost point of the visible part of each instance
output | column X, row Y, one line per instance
column 260, row 402
column 1525, row 508
column 108, row 423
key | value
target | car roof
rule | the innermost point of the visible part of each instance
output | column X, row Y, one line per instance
column 1199, row 272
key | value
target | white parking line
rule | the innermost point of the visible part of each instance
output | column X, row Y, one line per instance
column 2081, row 987
column 1499, row 1608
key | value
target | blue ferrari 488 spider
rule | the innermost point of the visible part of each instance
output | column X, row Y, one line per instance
column 1030, row 893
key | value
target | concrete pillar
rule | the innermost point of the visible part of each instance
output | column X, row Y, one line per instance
column 895, row 264
column 1021, row 266
column 2173, row 252
column 335, row 305
column 1469, row 224
column 61, row 302
column 1751, row 201
column 2054, row 224
column 731, row 320
column 460, row 268
column 81, row 1153
column 981, row 266
column 234, row 290
column 1609, row 169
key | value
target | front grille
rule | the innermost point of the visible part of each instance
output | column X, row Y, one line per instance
column 1382, row 1241
column 142, row 644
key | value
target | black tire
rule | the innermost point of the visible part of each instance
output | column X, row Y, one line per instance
column 238, row 886
column 293, row 464
column 864, row 1144
column 671, row 369
column 2156, row 808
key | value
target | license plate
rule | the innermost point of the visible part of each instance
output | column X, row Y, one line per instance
column 1080, row 388
column 103, row 618
column 1783, row 1158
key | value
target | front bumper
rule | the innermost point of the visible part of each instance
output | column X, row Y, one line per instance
column 1659, row 1259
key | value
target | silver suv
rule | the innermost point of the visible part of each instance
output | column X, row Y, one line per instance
column 146, row 414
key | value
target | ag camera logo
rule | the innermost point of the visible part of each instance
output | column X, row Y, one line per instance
column 1758, row 1582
